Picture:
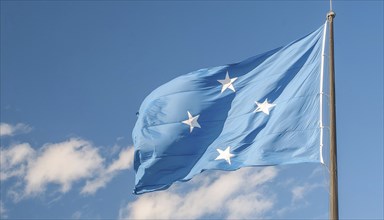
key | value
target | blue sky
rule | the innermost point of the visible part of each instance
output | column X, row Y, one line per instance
column 74, row 73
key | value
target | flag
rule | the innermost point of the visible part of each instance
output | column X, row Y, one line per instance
column 258, row 112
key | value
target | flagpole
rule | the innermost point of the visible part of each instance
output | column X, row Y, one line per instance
column 333, row 203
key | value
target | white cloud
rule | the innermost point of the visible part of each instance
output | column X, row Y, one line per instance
column 10, row 130
column 77, row 215
column 240, row 192
column 3, row 211
column 125, row 161
column 298, row 199
column 299, row 192
column 14, row 160
column 6, row 129
column 91, row 186
column 249, row 205
column 62, row 163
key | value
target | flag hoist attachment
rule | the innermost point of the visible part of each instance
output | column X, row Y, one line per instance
column 321, row 124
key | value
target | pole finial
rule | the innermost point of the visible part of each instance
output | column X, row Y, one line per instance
column 331, row 15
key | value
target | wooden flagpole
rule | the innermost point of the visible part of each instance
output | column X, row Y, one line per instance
column 333, row 203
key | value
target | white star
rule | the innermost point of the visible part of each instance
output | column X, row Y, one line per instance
column 192, row 122
column 264, row 107
column 227, row 83
column 225, row 155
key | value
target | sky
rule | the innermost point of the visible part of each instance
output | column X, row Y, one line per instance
column 74, row 73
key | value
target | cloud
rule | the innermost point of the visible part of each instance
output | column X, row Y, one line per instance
column 298, row 201
column 3, row 211
column 125, row 161
column 14, row 160
column 10, row 130
column 77, row 215
column 249, row 205
column 238, row 194
column 299, row 192
column 62, row 164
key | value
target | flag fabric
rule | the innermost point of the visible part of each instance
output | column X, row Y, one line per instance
column 258, row 112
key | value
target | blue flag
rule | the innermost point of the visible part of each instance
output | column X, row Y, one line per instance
column 258, row 112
